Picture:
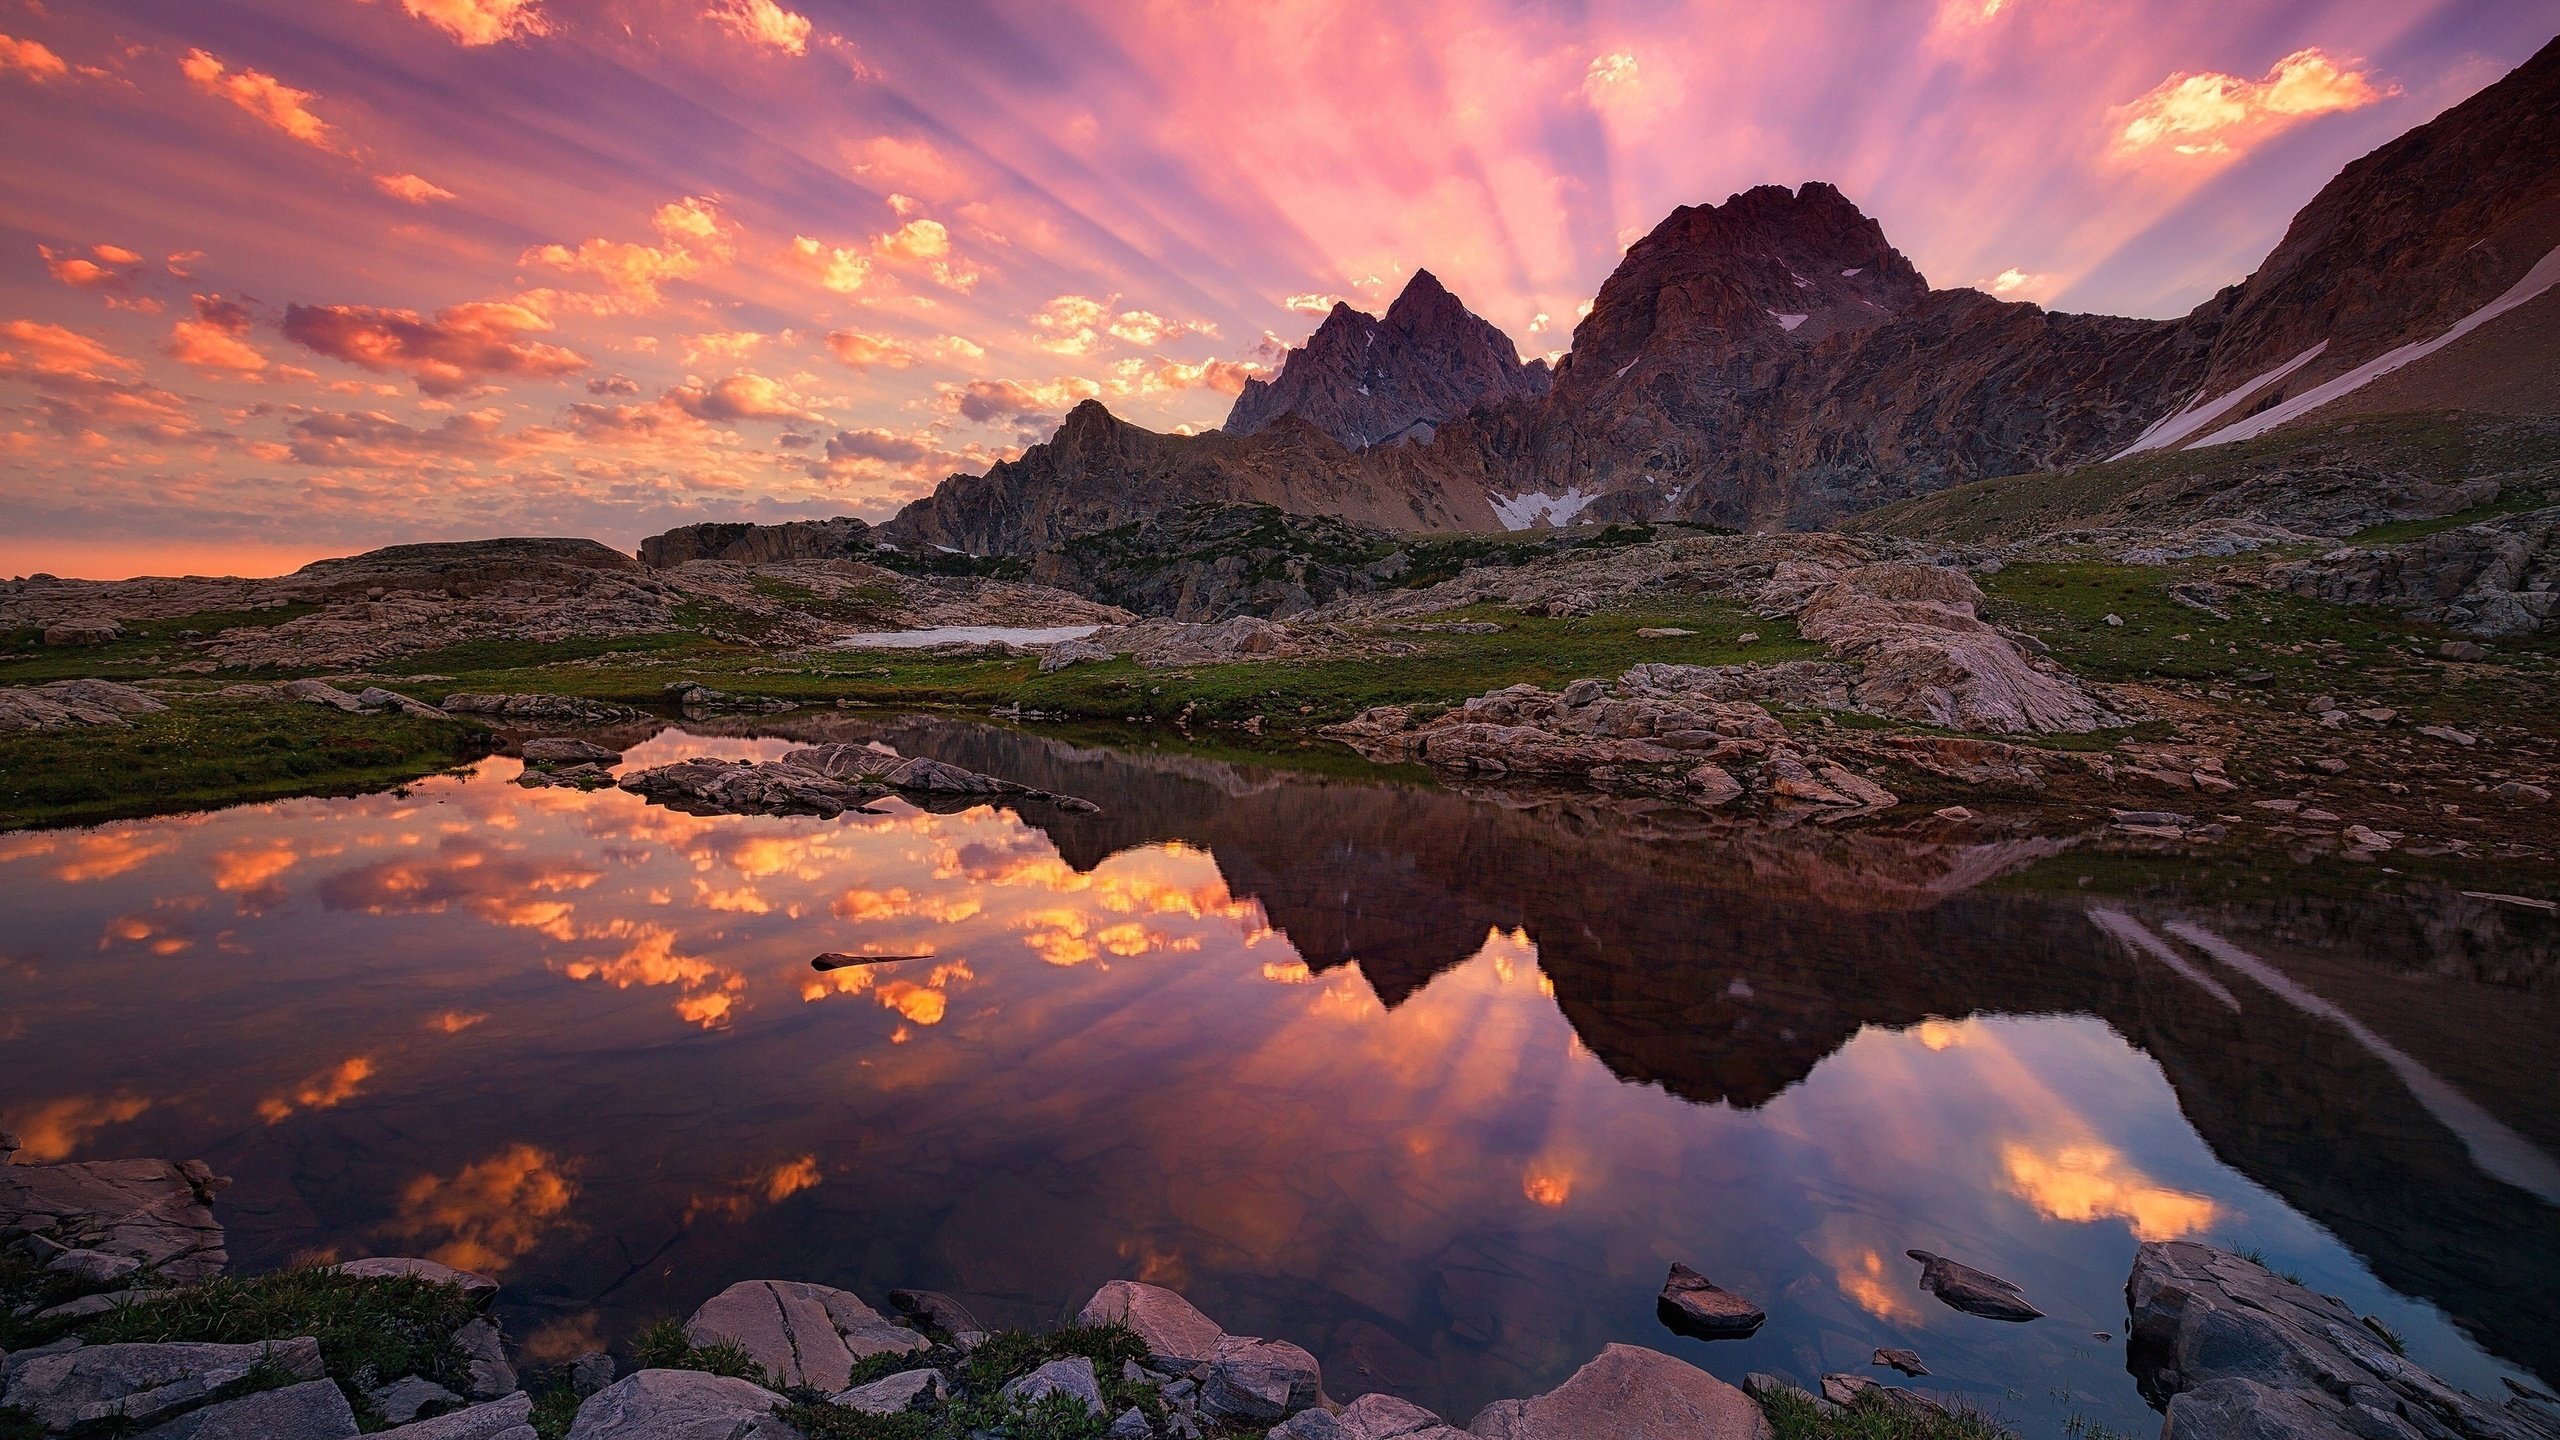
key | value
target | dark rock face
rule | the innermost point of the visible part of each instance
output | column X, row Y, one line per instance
column 2492, row 579
column 745, row 544
column 1368, row 380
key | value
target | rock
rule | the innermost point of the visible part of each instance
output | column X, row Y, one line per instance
column 94, row 1268
column 87, row 1305
column 1369, row 381
column 2449, row 735
column 892, row 1394
column 312, row 1410
column 2233, row 1350
column 1975, row 1292
column 2114, row 620
column 66, row 704
column 510, row 1418
column 1258, row 1382
column 403, row 1399
column 677, row 1405
column 801, row 1334
column 479, row 1289
column 158, row 1213
column 1847, row 1390
column 1906, row 1361
column 1664, row 632
column 747, row 544
column 373, row 699
column 1692, row 1305
column 696, row 699
column 1385, row 1417
column 936, row 1310
column 745, row 787
column 1760, row 1386
column 1072, row 1376
column 1627, row 1393
column 320, row 692
column 486, row 1352
column 2520, row 790
column 566, row 750
column 2330, row 765
column 83, row 632
column 1177, row 1336
column 591, row 1372
column 145, row 1384
column 1074, row 652
column 1309, row 1425
column 1132, row 1425
column 1952, row 812
column 1850, row 1391
column 1929, row 657
column 542, row 710
column 2468, row 651
column 2486, row 580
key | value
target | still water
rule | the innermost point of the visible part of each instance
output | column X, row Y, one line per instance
column 1434, row 1085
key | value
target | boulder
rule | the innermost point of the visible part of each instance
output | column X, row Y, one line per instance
column 1927, row 656
column 679, row 1405
column 541, row 710
column 566, row 750
column 1177, row 1336
column 1259, row 1382
column 480, row 1289
column 404, row 1399
column 802, row 1334
column 892, row 1394
column 486, row 1352
column 153, row 1211
column 1132, row 1425
column 320, row 692
column 937, row 1310
column 374, row 699
column 1975, row 1292
column 145, row 1384
column 83, row 632
column 95, row 1269
column 312, row 1410
column 67, row 704
column 507, row 1419
column 591, row 1372
column 745, row 787
column 1307, row 1425
column 1072, row 1376
column 1628, row 1393
column 1385, row 1417
column 1693, row 1305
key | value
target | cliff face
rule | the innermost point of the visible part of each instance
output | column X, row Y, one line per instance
column 1376, row 380
column 745, row 544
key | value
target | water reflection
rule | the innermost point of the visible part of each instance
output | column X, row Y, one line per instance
column 1438, row 1087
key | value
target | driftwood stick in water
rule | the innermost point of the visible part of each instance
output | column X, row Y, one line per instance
column 834, row 961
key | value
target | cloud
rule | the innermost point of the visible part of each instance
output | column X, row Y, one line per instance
column 1141, row 377
column 482, row 22
column 327, row 1090
column 31, row 59
column 1608, row 74
column 741, row 397
column 721, row 345
column 926, row 244
column 1312, row 304
column 262, row 95
column 1076, row 325
column 847, row 446
column 109, row 270
column 905, row 164
column 836, row 267
column 862, row 350
column 411, row 188
column 460, row 347
column 54, row 1130
column 491, row 1213
column 2210, row 113
column 990, row 401
column 2019, row 283
column 32, row 349
column 371, row 440
column 613, row 385
column 762, row 22
column 212, row 341
column 691, row 230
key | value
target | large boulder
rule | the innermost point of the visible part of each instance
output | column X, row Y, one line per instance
column 480, row 1289
column 1178, row 1337
column 312, row 1410
column 510, row 1418
column 1927, row 656
column 801, row 1334
column 2233, row 1350
column 145, row 1384
column 67, row 704
column 1385, row 1417
column 1259, row 1382
column 1072, row 1377
column 83, row 632
column 1628, row 1393
column 154, row 1211
column 680, row 1405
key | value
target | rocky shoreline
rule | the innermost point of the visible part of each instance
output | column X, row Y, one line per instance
column 2222, row 1345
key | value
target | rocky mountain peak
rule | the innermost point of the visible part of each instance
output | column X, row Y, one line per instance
column 1367, row 380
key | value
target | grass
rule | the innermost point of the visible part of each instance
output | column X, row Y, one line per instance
column 371, row 1329
column 146, row 648
column 1797, row 1417
column 206, row 751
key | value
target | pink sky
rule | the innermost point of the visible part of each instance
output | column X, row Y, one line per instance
column 281, row 280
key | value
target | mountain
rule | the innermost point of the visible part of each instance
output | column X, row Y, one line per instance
column 1773, row 362
column 1367, row 380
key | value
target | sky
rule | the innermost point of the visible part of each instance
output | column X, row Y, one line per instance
column 289, row 278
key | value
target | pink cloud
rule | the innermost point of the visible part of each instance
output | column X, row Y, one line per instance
column 482, row 22
column 31, row 59
column 762, row 22
column 411, row 188
column 2215, row 114
column 458, row 348
column 271, row 100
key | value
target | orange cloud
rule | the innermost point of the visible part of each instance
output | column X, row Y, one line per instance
column 2092, row 1182
column 107, row 269
column 490, row 1213
column 53, row 1130
column 212, row 342
column 744, row 396
column 460, row 347
column 836, row 267
column 454, row 1022
column 1138, row 377
column 862, row 350
column 482, row 22
column 411, row 188
column 762, row 22
column 2210, row 113
column 31, row 59
column 37, row 350
column 262, row 95
column 1001, row 401
column 1546, row 1186
column 329, row 1088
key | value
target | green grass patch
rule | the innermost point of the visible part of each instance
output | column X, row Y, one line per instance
column 1797, row 1417
column 206, row 751
column 492, row 656
column 2514, row 502
column 371, row 1329
column 147, row 647
column 663, row 1345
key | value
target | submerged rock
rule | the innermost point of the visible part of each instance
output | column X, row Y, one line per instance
column 1975, row 1292
column 801, row 1334
column 1693, row 1305
column 566, row 750
column 1628, row 1393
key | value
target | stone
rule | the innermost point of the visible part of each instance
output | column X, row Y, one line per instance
column 1132, row 1425
column 510, row 1418
column 312, row 1410
column 479, row 1289
column 1847, row 1390
column 1693, row 1305
column 1380, row 1416
column 1072, row 1376
column 1952, row 812
column 1927, row 655
column 373, row 699
column 68, row 704
column 1712, row 785
column 1258, row 1382
column 675, row 1405
column 2114, row 620
column 94, row 1268
column 541, row 710
column 404, row 1399
column 1662, row 632
column 1975, row 1292
column 802, row 1334
column 2468, row 651
column 2521, row 790
column 1177, row 1336
column 1308, row 1425
column 83, row 632
column 937, row 1311
column 566, row 750
column 744, row 787
column 145, row 1384
column 1628, row 1393
column 891, row 1394
column 486, row 1352
column 1906, row 1361
column 2449, row 735
column 153, row 1211
column 591, row 1372
column 320, row 692
column 1761, row 1386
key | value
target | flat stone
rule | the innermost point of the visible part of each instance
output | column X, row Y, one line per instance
column 895, row 1393
column 675, row 1405
column 1975, row 1292
column 1177, row 1336
column 1307, row 1425
column 144, row 1384
column 1258, row 1382
column 1387, row 1417
column 1847, row 1390
column 312, row 1410
column 94, row 1267
column 153, row 1211
column 1628, row 1393
column 1692, row 1305
column 403, row 1399
column 508, row 1419
column 486, row 1350
column 1071, row 1376
column 320, row 692
column 479, row 1288
column 802, row 1334
column 1906, row 1361
column 566, row 750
